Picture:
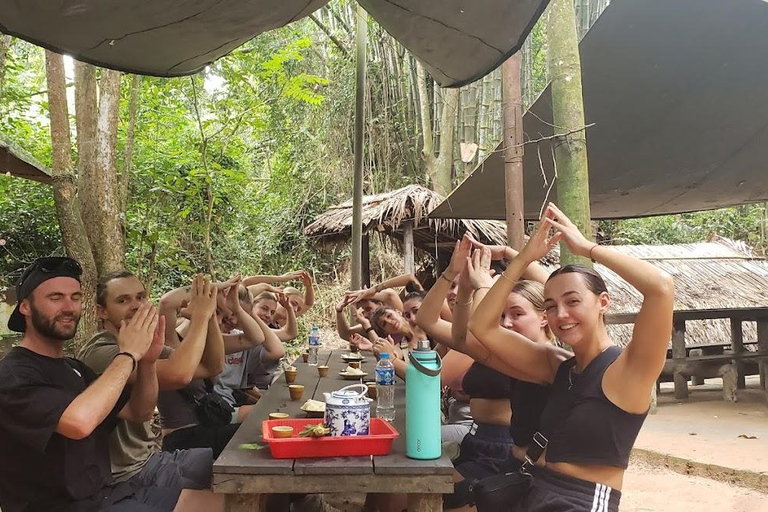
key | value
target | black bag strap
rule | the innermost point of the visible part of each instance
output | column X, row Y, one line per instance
column 536, row 447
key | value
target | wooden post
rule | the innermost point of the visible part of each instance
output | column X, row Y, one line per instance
column 678, row 354
column 425, row 503
column 737, row 341
column 245, row 503
column 366, row 263
column 762, row 347
column 408, row 254
column 513, row 152
column 357, row 195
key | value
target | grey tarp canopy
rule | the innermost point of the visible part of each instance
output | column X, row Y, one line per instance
column 458, row 40
column 678, row 92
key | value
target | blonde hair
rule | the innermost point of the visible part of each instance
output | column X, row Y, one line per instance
column 533, row 292
column 265, row 296
column 290, row 290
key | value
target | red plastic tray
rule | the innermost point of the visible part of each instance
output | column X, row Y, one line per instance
column 378, row 442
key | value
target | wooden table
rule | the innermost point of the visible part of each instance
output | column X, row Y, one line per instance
column 248, row 476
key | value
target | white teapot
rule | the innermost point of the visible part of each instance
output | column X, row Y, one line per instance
column 347, row 412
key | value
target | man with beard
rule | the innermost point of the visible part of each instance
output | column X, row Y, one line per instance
column 134, row 452
column 55, row 414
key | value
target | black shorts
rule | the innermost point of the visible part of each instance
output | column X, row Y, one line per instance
column 484, row 452
column 554, row 492
column 200, row 436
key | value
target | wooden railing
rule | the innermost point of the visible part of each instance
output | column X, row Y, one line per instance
column 693, row 362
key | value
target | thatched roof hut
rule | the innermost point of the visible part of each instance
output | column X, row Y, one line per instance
column 721, row 274
column 390, row 212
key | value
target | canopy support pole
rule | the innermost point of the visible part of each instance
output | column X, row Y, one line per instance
column 513, row 152
column 361, row 40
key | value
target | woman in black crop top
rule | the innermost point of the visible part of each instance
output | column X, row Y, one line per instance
column 600, row 396
column 488, row 447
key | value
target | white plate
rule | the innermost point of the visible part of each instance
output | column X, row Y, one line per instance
column 352, row 376
column 352, row 357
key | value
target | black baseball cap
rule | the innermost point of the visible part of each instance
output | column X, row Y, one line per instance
column 41, row 270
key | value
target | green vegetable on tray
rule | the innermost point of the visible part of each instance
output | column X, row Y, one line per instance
column 318, row 430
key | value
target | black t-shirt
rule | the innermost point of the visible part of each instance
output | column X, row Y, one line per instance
column 41, row 469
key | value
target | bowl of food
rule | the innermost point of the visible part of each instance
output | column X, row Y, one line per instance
column 282, row 431
column 314, row 408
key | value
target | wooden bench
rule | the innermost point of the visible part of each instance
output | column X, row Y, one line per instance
column 247, row 477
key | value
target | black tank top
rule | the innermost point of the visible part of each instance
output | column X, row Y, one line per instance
column 483, row 382
column 528, row 401
column 582, row 425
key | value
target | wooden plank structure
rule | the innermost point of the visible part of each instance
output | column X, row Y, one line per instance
column 247, row 476
column 14, row 161
column 730, row 361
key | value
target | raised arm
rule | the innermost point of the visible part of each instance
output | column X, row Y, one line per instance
column 643, row 359
column 143, row 400
column 92, row 406
column 428, row 317
column 273, row 347
column 309, row 292
column 291, row 328
column 534, row 271
column 285, row 278
column 252, row 334
column 534, row 362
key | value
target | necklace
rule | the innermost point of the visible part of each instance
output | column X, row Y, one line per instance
column 570, row 378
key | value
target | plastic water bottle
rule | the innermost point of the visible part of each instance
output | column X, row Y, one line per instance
column 314, row 345
column 422, row 403
column 385, row 388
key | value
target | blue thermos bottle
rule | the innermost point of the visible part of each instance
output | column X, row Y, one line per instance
column 422, row 403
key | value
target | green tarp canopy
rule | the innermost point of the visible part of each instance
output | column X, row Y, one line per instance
column 459, row 41
column 678, row 94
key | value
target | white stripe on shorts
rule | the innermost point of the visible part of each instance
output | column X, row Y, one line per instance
column 600, row 500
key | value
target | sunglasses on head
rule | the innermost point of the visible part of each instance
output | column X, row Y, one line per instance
column 52, row 264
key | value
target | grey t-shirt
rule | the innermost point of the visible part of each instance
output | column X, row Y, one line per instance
column 234, row 375
column 130, row 444
column 260, row 372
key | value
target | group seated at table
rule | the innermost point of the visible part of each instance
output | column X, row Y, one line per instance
column 75, row 434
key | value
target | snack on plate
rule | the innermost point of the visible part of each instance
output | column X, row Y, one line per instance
column 353, row 371
column 313, row 406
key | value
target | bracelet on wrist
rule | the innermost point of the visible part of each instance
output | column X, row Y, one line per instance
column 127, row 354
column 507, row 278
column 590, row 252
column 369, row 329
column 446, row 278
column 471, row 299
column 482, row 288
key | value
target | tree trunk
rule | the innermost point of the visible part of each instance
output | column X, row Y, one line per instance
column 443, row 165
column 109, row 248
column 361, row 54
column 86, row 111
column 125, row 175
column 5, row 44
column 438, row 167
column 568, row 116
column 65, row 193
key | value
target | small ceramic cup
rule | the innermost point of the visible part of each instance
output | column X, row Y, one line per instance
column 296, row 390
column 282, row 431
column 354, row 364
column 279, row 415
column 372, row 392
column 322, row 371
column 305, row 356
column 290, row 376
